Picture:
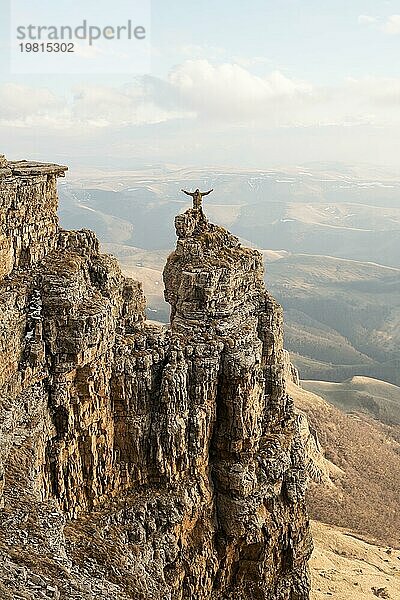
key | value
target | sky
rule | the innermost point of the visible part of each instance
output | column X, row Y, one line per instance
column 251, row 85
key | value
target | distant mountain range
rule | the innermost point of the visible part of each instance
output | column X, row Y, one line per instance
column 342, row 214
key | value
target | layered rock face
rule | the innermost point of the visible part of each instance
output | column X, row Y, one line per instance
column 139, row 461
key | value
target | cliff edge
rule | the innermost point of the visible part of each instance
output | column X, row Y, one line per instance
column 140, row 462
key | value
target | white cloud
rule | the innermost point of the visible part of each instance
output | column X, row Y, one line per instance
column 392, row 25
column 103, row 106
column 21, row 102
column 224, row 95
column 92, row 106
column 229, row 91
column 366, row 19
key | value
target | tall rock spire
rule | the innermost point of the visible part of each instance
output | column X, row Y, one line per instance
column 232, row 344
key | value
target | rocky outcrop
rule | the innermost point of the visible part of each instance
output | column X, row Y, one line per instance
column 291, row 372
column 319, row 469
column 142, row 462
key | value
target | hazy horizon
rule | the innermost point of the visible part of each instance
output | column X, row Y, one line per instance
column 255, row 86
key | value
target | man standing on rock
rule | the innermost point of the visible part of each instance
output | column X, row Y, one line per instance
column 197, row 196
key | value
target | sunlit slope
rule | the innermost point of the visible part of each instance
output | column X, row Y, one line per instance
column 347, row 568
column 377, row 398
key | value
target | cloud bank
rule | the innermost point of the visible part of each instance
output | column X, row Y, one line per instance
column 225, row 94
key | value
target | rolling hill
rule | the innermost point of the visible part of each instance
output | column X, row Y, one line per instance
column 342, row 316
column 376, row 398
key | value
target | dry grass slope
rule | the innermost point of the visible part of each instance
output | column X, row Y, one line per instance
column 346, row 568
column 366, row 498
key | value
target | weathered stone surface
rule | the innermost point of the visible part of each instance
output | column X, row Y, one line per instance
column 28, row 214
column 27, row 168
column 222, row 311
column 142, row 462
column 5, row 171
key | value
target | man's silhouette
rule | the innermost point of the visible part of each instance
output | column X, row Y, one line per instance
column 197, row 196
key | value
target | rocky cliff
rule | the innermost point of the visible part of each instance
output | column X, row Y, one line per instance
column 140, row 462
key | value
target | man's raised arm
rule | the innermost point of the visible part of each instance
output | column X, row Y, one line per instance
column 206, row 193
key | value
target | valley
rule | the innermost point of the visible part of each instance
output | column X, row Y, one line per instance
column 330, row 237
